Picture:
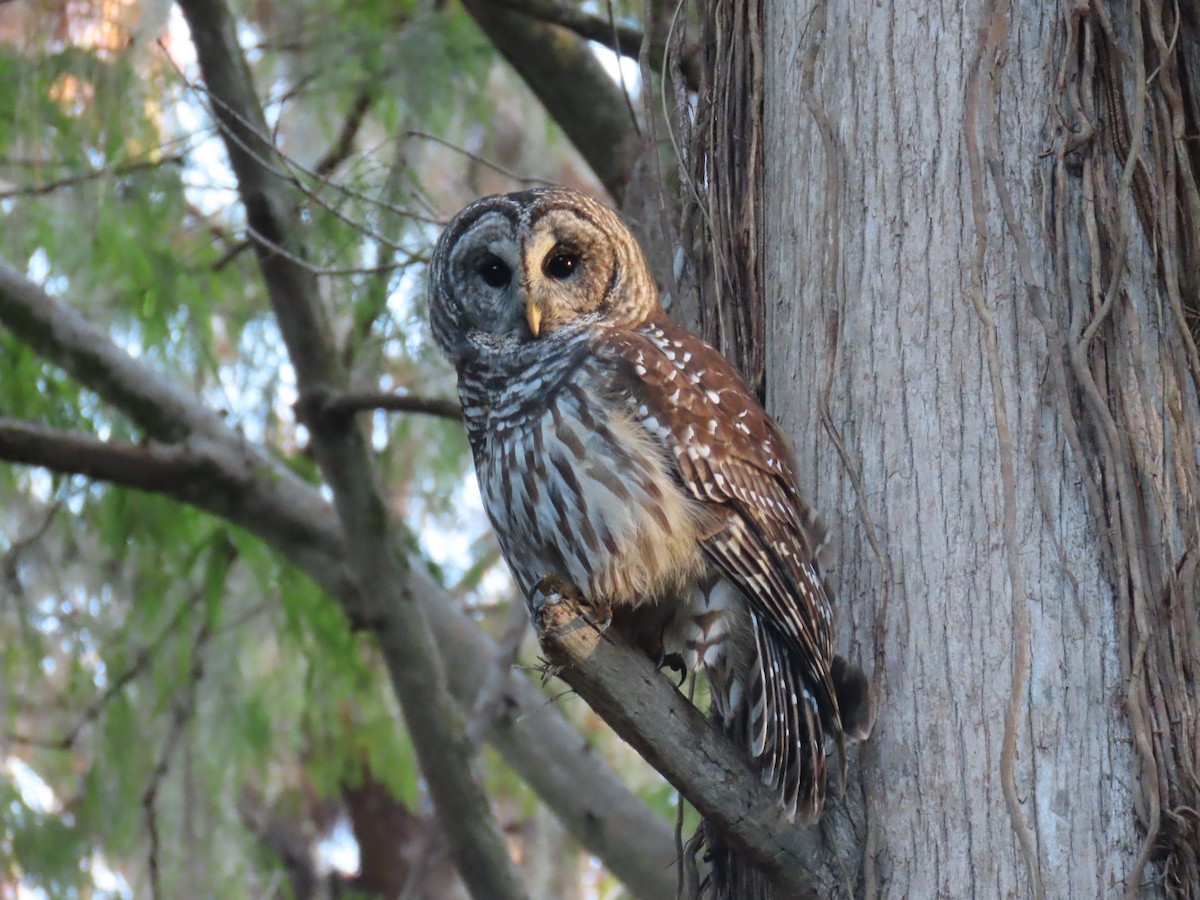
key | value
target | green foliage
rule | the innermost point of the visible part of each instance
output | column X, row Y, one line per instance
column 48, row 846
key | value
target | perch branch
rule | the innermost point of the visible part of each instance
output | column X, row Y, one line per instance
column 113, row 171
column 625, row 689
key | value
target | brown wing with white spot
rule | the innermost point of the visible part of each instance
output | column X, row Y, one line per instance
column 731, row 457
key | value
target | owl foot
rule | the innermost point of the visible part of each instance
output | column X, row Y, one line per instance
column 567, row 626
column 554, row 591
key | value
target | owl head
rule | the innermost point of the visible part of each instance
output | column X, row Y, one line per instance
column 533, row 267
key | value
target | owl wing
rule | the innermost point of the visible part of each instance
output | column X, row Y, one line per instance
column 731, row 457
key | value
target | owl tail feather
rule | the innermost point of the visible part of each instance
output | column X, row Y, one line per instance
column 783, row 728
column 780, row 725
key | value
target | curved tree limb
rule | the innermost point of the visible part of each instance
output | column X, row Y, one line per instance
column 624, row 40
column 570, row 83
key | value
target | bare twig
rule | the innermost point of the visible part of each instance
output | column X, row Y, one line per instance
column 360, row 402
column 181, row 714
column 476, row 158
column 343, row 145
column 112, row 171
column 337, row 154
column 9, row 562
column 278, row 164
column 489, row 703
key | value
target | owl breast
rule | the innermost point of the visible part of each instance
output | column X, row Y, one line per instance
column 575, row 487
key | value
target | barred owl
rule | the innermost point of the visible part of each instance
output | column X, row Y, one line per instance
column 622, row 454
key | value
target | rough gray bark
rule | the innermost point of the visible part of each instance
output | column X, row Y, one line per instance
column 1016, row 545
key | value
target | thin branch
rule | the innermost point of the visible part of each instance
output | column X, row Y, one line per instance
column 279, row 250
column 113, row 171
column 351, row 403
column 490, row 702
column 182, row 709
column 181, row 714
column 141, row 662
column 18, row 546
column 476, row 158
column 278, row 164
column 337, row 154
column 343, row 146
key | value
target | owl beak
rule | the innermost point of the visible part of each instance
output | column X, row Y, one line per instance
column 533, row 315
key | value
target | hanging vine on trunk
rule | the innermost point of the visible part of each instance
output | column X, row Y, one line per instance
column 1125, row 174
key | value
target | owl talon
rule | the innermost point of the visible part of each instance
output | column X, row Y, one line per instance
column 674, row 662
column 552, row 590
column 599, row 616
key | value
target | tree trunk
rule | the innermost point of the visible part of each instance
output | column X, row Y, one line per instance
column 950, row 200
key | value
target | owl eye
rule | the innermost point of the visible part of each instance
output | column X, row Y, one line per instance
column 562, row 266
column 494, row 272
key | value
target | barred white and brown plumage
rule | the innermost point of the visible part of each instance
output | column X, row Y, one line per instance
column 621, row 453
